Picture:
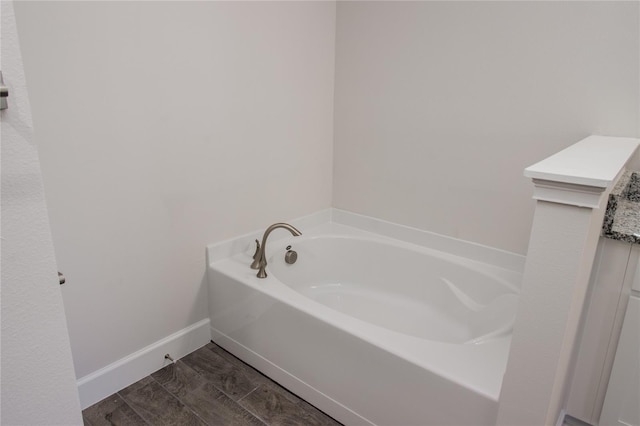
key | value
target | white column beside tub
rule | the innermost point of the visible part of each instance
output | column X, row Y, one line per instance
column 571, row 189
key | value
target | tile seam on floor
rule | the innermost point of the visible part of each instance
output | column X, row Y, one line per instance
column 179, row 399
column 237, row 402
column 300, row 402
column 215, row 387
column 132, row 408
column 245, row 365
column 240, row 406
column 248, row 393
column 219, row 388
column 264, row 421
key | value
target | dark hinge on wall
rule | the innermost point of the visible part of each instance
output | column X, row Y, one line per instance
column 4, row 93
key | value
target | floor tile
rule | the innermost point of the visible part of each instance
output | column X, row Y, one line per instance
column 216, row 408
column 207, row 387
column 271, row 405
column 256, row 376
column 157, row 406
column 234, row 381
column 200, row 395
column 110, row 411
column 178, row 378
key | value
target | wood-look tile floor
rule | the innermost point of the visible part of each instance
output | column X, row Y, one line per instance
column 207, row 387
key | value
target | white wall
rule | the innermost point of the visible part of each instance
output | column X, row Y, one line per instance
column 165, row 126
column 439, row 106
column 38, row 381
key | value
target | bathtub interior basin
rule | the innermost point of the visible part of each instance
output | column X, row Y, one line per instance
column 425, row 295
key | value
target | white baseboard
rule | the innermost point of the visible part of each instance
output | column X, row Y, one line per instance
column 101, row 383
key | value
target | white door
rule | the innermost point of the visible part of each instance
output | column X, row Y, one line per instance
column 38, row 382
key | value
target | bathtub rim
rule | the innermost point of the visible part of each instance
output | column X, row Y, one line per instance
column 467, row 249
column 343, row 232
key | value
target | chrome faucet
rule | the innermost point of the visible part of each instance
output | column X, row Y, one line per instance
column 260, row 258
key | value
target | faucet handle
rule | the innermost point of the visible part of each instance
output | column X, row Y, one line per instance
column 256, row 258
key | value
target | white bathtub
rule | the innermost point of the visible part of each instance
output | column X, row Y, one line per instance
column 371, row 329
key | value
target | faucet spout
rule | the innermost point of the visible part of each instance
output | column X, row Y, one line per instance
column 260, row 260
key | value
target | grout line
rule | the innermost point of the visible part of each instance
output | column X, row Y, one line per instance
column 249, row 393
column 263, row 421
column 237, row 404
column 132, row 408
column 300, row 402
column 214, row 386
column 179, row 399
column 242, row 407
column 228, row 362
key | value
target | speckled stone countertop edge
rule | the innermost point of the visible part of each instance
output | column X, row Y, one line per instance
column 622, row 216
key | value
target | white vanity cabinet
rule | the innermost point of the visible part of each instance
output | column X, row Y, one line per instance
column 614, row 273
column 622, row 401
column 605, row 387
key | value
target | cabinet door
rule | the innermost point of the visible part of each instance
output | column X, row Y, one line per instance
column 611, row 279
column 622, row 403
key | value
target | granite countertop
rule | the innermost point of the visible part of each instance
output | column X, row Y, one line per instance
column 622, row 217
